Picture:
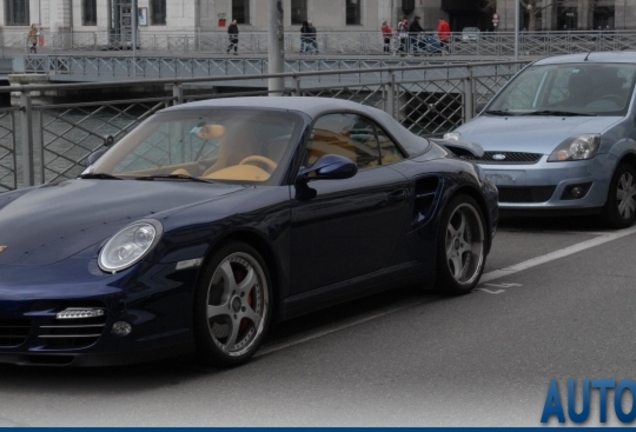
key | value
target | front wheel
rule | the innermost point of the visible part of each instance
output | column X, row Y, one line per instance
column 460, row 246
column 232, row 307
column 620, row 208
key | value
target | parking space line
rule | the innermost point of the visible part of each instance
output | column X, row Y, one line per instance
column 570, row 250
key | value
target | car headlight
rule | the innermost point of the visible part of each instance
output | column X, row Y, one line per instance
column 452, row 136
column 578, row 147
column 129, row 245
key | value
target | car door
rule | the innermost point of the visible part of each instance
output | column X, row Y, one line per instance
column 351, row 227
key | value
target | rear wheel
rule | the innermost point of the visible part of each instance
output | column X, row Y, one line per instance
column 620, row 208
column 460, row 246
column 232, row 306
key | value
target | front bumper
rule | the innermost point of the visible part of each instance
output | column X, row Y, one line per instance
column 153, row 299
column 547, row 185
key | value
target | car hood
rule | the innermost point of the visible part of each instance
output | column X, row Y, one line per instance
column 46, row 224
column 532, row 134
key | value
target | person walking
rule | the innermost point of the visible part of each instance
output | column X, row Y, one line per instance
column 33, row 38
column 403, row 33
column 233, row 32
column 304, row 41
column 313, row 44
column 387, row 35
column 443, row 33
column 415, row 31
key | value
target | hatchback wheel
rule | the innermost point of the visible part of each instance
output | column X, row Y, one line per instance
column 620, row 208
column 232, row 306
column 460, row 246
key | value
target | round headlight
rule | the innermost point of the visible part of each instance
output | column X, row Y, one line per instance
column 129, row 245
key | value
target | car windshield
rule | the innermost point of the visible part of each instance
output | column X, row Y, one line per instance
column 229, row 145
column 568, row 89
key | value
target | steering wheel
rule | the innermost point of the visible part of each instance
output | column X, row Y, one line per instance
column 270, row 164
column 613, row 98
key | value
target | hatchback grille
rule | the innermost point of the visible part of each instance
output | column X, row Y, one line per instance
column 525, row 194
column 510, row 157
column 76, row 333
column 14, row 332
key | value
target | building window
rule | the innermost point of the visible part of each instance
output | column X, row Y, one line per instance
column 298, row 11
column 89, row 12
column 157, row 12
column 353, row 12
column 17, row 12
column 241, row 11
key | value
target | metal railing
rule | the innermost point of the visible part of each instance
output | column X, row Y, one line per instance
column 41, row 143
column 328, row 43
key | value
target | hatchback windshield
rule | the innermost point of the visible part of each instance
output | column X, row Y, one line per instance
column 568, row 89
column 221, row 145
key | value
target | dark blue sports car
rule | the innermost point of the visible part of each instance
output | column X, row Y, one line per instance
column 212, row 219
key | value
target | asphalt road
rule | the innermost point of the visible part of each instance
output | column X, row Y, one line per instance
column 562, row 307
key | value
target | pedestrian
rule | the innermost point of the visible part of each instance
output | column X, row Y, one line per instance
column 313, row 44
column 443, row 33
column 403, row 32
column 33, row 38
column 304, row 40
column 233, row 32
column 387, row 35
column 415, row 30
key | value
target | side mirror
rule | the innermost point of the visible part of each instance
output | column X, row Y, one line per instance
column 328, row 167
column 92, row 158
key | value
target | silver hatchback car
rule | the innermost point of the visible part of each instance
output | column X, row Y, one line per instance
column 561, row 136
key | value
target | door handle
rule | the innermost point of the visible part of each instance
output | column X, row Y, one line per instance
column 397, row 196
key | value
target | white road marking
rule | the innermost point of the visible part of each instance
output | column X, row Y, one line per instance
column 503, row 285
column 407, row 304
column 570, row 250
column 491, row 292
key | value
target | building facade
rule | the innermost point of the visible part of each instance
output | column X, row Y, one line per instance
column 187, row 16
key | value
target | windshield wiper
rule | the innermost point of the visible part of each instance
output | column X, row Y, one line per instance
column 172, row 177
column 503, row 113
column 101, row 176
column 559, row 113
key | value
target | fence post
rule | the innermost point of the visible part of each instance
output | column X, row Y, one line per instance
column 390, row 96
column 296, row 84
column 26, row 112
column 469, row 89
column 177, row 93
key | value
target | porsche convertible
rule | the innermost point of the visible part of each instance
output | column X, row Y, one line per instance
column 211, row 220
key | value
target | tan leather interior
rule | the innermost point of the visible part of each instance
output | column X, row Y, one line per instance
column 237, row 144
column 211, row 131
column 327, row 142
column 239, row 172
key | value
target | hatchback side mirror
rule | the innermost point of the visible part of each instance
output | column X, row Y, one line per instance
column 92, row 158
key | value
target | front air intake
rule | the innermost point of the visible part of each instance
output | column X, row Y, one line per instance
column 14, row 332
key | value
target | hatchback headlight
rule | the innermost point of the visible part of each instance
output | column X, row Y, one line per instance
column 578, row 147
column 129, row 245
column 452, row 136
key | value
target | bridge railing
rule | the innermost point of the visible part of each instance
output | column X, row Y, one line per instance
column 327, row 43
column 46, row 142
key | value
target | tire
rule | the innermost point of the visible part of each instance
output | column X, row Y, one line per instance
column 461, row 246
column 232, row 306
column 620, row 208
